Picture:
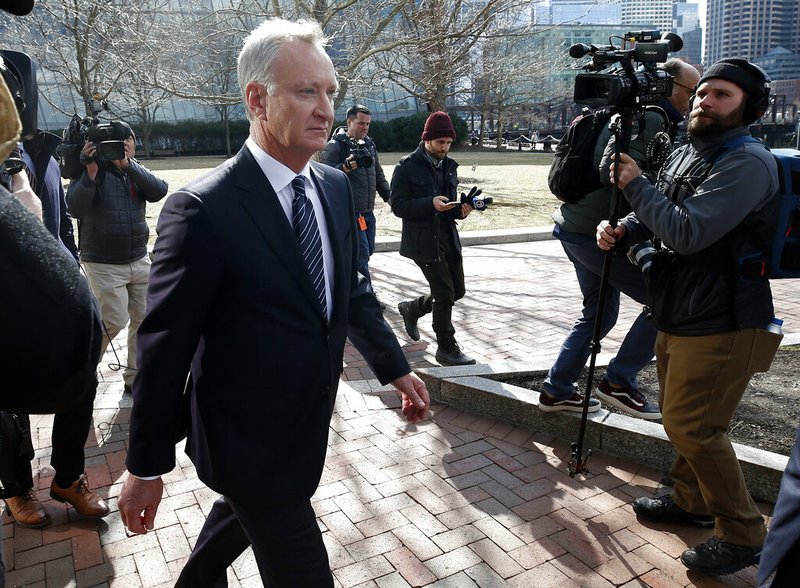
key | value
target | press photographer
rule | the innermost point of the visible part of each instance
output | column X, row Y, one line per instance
column 713, row 206
column 353, row 151
column 107, row 138
column 624, row 90
column 108, row 199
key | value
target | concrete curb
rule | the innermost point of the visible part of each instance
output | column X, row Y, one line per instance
column 470, row 388
column 468, row 238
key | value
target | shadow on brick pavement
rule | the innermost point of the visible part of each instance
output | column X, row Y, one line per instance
column 457, row 501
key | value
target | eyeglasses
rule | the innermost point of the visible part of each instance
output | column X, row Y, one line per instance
column 684, row 86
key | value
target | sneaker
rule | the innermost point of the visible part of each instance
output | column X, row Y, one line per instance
column 717, row 557
column 409, row 321
column 663, row 510
column 86, row 502
column 453, row 357
column 573, row 404
column 628, row 400
column 27, row 510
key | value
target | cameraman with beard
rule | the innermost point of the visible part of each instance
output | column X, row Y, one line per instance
column 714, row 209
column 109, row 202
column 365, row 180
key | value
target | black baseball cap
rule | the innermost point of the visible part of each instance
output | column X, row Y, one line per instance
column 17, row 7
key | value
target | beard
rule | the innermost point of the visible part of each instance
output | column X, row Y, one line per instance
column 704, row 124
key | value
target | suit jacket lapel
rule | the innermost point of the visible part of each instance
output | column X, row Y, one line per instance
column 261, row 203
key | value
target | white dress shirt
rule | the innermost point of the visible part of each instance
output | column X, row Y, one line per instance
column 280, row 178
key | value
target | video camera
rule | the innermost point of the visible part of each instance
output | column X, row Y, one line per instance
column 624, row 86
column 19, row 74
column 359, row 150
column 108, row 138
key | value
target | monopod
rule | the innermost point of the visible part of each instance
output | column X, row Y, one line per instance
column 622, row 129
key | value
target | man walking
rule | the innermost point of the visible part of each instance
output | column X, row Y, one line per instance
column 253, row 292
column 576, row 223
column 424, row 195
column 714, row 208
column 366, row 177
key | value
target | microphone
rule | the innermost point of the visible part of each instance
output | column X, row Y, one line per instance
column 578, row 50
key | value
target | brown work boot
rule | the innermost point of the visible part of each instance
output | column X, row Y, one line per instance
column 86, row 502
column 27, row 510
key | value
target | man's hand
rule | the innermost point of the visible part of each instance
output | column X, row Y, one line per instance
column 89, row 159
column 22, row 191
column 138, row 503
column 350, row 164
column 628, row 170
column 441, row 204
column 414, row 394
column 607, row 236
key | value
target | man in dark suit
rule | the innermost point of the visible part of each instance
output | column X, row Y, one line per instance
column 781, row 553
column 257, row 315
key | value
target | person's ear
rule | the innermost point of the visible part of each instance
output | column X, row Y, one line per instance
column 257, row 99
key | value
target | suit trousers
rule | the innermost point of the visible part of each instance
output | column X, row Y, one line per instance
column 702, row 379
column 286, row 541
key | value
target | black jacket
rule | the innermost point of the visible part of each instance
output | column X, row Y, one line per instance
column 364, row 181
column 49, row 321
column 111, row 212
column 413, row 188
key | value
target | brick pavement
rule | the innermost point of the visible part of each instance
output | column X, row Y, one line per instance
column 458, row 501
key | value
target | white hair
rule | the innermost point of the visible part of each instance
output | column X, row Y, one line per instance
column 261, row 47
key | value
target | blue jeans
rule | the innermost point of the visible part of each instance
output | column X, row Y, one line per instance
column 636, row 350
column 366, row 243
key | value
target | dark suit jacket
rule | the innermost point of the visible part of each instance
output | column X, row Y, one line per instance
column 230, row 297
column 784, row 530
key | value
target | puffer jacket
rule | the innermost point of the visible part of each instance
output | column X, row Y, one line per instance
column 364, row 182
column 413, row 188
column 713, row 208
column 111, row 212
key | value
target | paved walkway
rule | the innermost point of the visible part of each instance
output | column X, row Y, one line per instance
column 457, row 501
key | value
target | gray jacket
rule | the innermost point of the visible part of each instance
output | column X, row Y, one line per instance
column 711, row 207
column 364, row 182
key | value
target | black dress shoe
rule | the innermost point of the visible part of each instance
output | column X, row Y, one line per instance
column 716, row 557
column 409, row 320
column 453, row 357
column 663, row 510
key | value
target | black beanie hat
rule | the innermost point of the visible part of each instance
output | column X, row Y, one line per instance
column 741, row 72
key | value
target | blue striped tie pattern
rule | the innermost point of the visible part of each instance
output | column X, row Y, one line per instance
column 306, row 230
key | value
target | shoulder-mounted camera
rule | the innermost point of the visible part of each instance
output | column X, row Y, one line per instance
column 625, row 85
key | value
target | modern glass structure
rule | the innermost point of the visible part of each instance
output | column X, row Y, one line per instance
column 751, row 28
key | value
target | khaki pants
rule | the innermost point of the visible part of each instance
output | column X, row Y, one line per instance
column 121, row 290
column 702, row 379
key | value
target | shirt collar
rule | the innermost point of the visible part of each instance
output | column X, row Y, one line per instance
column 279, row 175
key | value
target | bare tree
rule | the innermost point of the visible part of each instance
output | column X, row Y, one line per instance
column 438, row 39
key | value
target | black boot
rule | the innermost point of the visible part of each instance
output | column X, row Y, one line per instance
column 410, row 318
column 453, row 356
column 716, row 557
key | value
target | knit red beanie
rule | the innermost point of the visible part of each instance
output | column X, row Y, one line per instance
column 437, row 126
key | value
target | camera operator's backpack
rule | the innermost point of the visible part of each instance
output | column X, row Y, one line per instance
column 573, row 173
column 783, row 258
